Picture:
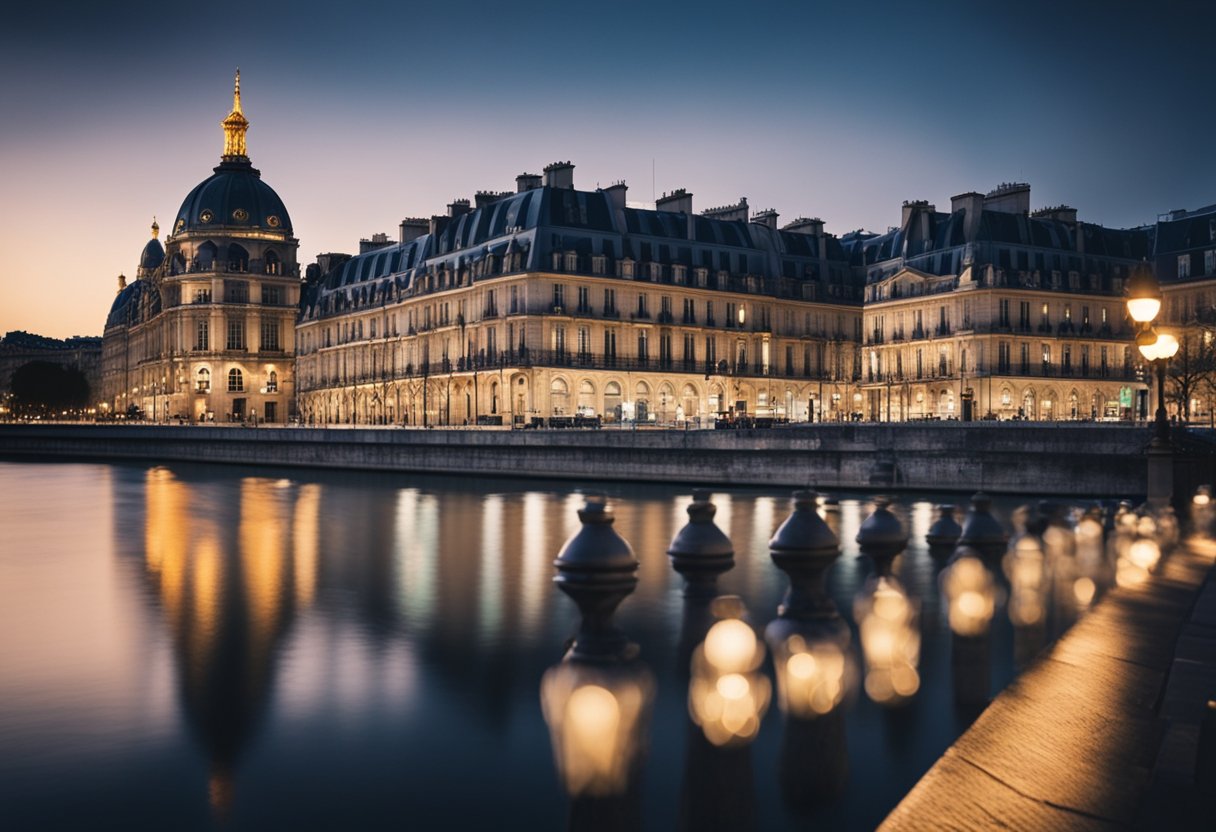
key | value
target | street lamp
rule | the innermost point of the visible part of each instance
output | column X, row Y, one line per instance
column 1143, row 305
column 1158, row 352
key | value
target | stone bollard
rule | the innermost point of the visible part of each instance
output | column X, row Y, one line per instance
column 597, row 570
column 982, row 531
column 700, row 551
column 810, row 644
column 882, row 537
column 804, row 548
column 597, row 700
column 943, row 535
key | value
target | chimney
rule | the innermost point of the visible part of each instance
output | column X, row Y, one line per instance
column 527, row 182
column 458, row 207
column 729, row 213
column 766, row 217
column 803, row 225
column 374, row 242
column 972, row 205
column 678, row 201
column 411, row 228
column 437, row 224
column 911, row 205
column 1060, row 213
column 616, row 195
column 483, row 198
column 1009, row 198
column 559, row 175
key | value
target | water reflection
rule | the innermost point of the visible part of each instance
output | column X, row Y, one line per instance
column 355, row 633
column 228, row 596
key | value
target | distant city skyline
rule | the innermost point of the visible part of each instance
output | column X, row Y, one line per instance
column 360, row 120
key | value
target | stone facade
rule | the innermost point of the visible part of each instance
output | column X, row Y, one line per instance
column 556, row 304
column 991, row 311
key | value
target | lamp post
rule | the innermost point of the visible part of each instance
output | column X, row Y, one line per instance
column 1143, row 305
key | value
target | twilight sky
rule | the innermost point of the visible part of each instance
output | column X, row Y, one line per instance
column 359, row 117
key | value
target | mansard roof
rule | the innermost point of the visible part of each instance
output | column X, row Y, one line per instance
column 533, row 225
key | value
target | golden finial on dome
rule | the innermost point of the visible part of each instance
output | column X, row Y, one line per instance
column 235, row 126
column 155, row 228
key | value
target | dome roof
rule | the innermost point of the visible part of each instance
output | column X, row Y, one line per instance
column 153, row 255
column 233, row 197
column 126, row 307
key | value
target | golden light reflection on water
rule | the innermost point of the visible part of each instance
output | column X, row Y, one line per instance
column 727, row 695
column 971, row 591
column 810, row 676
column 596, row 718
column 890, row 641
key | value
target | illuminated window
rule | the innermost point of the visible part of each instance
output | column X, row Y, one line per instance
column 204, row 380
column 272, row 382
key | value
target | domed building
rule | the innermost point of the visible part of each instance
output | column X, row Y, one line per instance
column 205, row 332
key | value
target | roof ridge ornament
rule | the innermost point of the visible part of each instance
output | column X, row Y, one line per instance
column 235, row 126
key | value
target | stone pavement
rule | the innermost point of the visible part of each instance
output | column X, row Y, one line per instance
column 1101, row 732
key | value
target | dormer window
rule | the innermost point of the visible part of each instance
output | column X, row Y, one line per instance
column 656, row 272
column 571, row 261
column 599, row 264
column 679, row 273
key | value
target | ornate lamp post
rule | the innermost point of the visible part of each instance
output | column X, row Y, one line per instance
column 1143, row 305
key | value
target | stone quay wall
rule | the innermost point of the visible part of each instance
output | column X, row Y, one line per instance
column 1059, row 459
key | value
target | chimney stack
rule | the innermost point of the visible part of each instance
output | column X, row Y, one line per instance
column 616, row 195
column 527, row 182
column 411, row 228
column 766, row 217
column 559, row 175
column 678, row 201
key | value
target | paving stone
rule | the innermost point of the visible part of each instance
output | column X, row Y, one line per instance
column 976, row 800
column 1100, row 732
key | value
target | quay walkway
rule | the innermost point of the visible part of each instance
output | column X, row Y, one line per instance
column 1102, row 732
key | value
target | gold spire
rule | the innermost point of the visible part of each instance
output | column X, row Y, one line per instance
column 155, row 228
column 235, row 126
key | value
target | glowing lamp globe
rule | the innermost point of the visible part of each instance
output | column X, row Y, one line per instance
column 1143, row 294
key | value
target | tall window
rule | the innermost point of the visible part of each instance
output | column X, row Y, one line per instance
column 202, row 335
column 272, row 382
column 203, row 383
column 559, row 340
column 610, row 301
column 584, row 299
column 236, row 334
column 236, row 381
column 610, row 345
column 643, row 346
column 1184, row 266
column 270, row 334
column 272, row 295
column 584, row 343
column 559, row 295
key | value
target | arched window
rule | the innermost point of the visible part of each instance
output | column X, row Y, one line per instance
column 272, row 382
column 494, row 398
column 612, row 400
column 236, row 382
column 271, row 263
column 586, row 397
column 642, row 404
column 204, row 258
column 238, row 259
column 204, row 380
column 559, row 397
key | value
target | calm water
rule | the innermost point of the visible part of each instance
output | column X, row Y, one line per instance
column 185, row 645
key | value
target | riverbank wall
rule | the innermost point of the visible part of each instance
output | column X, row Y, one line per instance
column 1058, row 459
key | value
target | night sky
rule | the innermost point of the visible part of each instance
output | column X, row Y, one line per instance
column 838, row 110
